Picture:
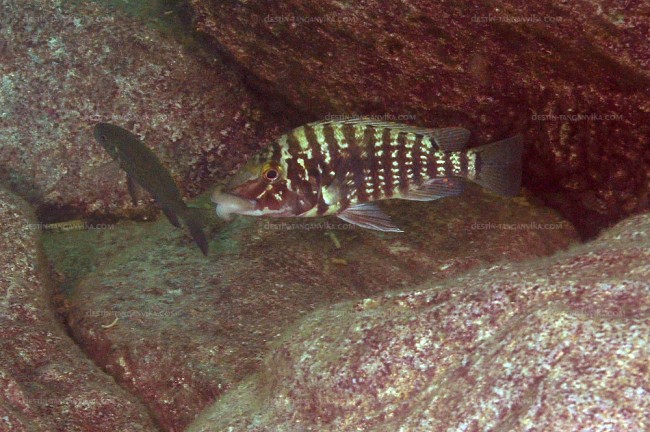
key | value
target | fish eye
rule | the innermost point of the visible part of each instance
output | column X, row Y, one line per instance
column 271, row 174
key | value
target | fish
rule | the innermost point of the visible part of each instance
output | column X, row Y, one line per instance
column 144, row 169
column 342, row 168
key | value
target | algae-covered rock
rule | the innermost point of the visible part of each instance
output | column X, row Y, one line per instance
column 560, row 343
column 46, row 381
column 188, row 328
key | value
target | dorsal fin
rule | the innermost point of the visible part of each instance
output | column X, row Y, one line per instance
column 451, row 138
column 447, row 139
column 363, row 121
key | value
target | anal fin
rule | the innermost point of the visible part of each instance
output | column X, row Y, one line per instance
column 194, row 223
column 436, row 188
column 369, row 216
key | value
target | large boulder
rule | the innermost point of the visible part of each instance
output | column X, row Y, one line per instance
column 573, row 77
column 560, row 343
column 183, row 329
column 46, row 382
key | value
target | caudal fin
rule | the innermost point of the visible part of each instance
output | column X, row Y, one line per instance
column 497, row 166
column 195, row 226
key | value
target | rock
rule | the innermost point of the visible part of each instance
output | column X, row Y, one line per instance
column 560, row 343
column 46, row 381
column 189, row 328
column 67, row 66
column 572, row 77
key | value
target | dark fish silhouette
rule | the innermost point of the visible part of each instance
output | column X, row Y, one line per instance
column 342, row 167
column 144, row 169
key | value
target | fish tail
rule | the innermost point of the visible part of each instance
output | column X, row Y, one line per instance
column 195, row 225
column 497, row 166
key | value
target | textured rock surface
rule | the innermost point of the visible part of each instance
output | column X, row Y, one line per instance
column 190, row 328
column 66, row 65
column 572, row 76
column 46, row 381
column 556, row 344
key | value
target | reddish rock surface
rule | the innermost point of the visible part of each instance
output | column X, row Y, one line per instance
column 560, row 343
column 46, row 381
column 191, row 328
column 572, row 76
column 65, row 67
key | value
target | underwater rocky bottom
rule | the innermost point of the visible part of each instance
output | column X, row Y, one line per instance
column 486, row 313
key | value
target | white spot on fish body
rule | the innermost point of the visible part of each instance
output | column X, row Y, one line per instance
column 455, row 162
column 427, row 145
column 340, row 138
column 300, row 136
column 393, row 138
column 410, row 142
column 379, row 133
column 471, row 165
column 301, row 162
column 284, row 149
column 440, row 163
column 359, row 132
column 324, row 149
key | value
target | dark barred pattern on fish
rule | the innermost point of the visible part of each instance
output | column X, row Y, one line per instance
column 342, row 167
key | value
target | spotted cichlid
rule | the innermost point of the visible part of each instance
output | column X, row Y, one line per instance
column 341, row 167
column 145, row 170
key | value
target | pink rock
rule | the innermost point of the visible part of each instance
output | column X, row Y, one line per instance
column 46, row 382
column 560, row 343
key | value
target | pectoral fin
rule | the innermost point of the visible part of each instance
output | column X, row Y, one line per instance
column 137, row 192
column 437, row 188
column 369, row 216
column 106, row 170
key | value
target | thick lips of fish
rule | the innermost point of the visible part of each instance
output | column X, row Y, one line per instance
column 227, row 204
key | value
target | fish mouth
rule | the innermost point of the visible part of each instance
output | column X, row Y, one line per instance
column 229, row 204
